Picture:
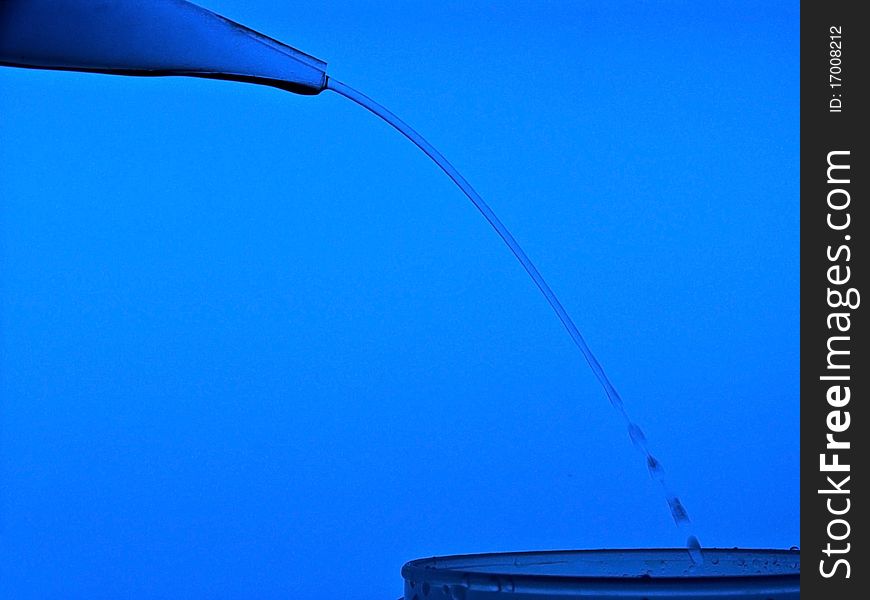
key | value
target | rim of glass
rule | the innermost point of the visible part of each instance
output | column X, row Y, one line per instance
column 522, row 569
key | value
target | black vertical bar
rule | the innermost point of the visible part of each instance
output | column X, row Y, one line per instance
column 834, row 368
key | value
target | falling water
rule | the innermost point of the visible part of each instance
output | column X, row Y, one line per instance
column 677, row 510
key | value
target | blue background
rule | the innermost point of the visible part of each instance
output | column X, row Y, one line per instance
column 257, row 344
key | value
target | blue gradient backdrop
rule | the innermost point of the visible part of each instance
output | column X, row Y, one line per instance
column 255, row 344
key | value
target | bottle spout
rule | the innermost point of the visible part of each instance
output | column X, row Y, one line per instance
column 149, row 38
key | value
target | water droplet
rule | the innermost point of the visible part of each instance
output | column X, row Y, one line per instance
column 694, row 547
column 678, row 511
column 637, row 436
column 656, row 471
